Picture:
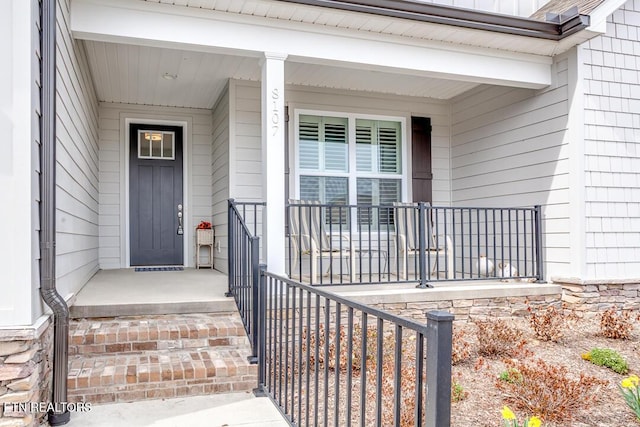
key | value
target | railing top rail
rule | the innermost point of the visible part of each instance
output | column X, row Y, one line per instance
column 241, row 203
column 233, row 205
column 427, row 206
column 405, row 323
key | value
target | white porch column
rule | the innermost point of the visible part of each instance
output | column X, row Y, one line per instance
column 273, row 131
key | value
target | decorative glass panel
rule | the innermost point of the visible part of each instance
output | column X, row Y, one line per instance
column 167, row 146
column 156, row 145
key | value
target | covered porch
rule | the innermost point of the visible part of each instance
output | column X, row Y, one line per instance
column 492, row 111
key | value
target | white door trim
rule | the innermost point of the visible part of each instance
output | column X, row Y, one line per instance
column 125, row 122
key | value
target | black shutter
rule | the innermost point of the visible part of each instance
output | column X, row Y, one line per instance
column 421, row 174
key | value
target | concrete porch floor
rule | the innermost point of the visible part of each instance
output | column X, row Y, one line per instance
column 125, row 292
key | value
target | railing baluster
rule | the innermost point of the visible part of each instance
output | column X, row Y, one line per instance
column 379, row 365
column 364, row 361
column 397, row 376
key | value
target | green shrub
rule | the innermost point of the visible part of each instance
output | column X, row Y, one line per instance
column 608, row 358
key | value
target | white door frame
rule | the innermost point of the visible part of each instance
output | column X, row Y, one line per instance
column 151, row 119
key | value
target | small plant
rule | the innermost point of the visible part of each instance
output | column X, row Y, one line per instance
column 511, row 375
column 460, row 347
column 548, row 391
column 510, row 419
column 498, row 338
column 616, row 325
column 630, row 389
column 547, row 324
column 608, row 358
column 458, row 393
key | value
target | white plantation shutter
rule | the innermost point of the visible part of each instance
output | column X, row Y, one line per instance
column 323, row 143
column 309, row 133
column 377, row 146
column 364, row 146
column 389, row 141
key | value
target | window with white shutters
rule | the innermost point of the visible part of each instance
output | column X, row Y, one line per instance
column 350, row 160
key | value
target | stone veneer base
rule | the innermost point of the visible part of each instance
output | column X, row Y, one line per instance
column 26, row 355
column 594, row 296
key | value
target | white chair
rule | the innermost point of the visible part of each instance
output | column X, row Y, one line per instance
column 407, row 240
column 308, row 237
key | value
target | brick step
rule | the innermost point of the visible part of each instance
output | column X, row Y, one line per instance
column 159, row 374
column 139, row 334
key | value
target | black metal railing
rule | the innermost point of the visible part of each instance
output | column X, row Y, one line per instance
column 326, row 360
column 244, row 261
column 412, row 242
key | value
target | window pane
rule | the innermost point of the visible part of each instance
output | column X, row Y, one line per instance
column 389, row 141
column 378, row 146
column 328, row 190
column 144, row 146
column 309, row 135
column 378, row 192
column 335, row 140
column 155, row 146
column 365, row 150
column 323, row 143
column 310, row 188
column 167, row 145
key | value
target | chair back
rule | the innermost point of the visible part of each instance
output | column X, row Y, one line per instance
column 305, row 219
column 406, row 218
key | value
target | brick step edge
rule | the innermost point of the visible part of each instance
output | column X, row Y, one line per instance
column 126, row 378
column 155, row 333
column 145, row 346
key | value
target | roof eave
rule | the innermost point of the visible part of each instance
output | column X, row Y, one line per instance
column 465, row 18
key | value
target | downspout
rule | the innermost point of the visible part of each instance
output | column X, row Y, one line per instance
column 59, row 415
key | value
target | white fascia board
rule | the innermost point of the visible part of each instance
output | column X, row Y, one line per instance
column 162, row 25
column 601, row 13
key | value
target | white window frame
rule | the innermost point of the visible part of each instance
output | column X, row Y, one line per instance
column 352, row 174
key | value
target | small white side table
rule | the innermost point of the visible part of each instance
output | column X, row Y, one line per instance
column 204, row 237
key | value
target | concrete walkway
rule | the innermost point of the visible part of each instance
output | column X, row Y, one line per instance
column 222, row 410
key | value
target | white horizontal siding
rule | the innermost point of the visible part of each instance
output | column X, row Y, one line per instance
column 220, row 178
column 247, row 143
column 77, row 169
column 111, row 174
column 612, row 147
column 509, row 149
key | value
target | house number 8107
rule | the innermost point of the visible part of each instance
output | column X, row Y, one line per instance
column 275, row 115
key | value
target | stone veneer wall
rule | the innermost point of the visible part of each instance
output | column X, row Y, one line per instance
column 470, row 309
column 25, row 372
column 594, row 296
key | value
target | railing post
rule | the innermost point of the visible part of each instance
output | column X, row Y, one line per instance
column 230, row 246
column 255, row 294
column 422, row 244
column 539, row 256
column 262, row 331
column 439, row 341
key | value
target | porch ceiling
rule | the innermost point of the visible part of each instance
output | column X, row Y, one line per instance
column 133, row 74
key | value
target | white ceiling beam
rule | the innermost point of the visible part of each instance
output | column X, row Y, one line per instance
column 163, row 25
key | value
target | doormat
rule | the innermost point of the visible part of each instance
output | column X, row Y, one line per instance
column 159, row 268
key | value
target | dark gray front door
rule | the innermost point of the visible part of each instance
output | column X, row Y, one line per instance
column 155, row 192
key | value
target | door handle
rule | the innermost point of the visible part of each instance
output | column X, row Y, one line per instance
column 180, row 229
